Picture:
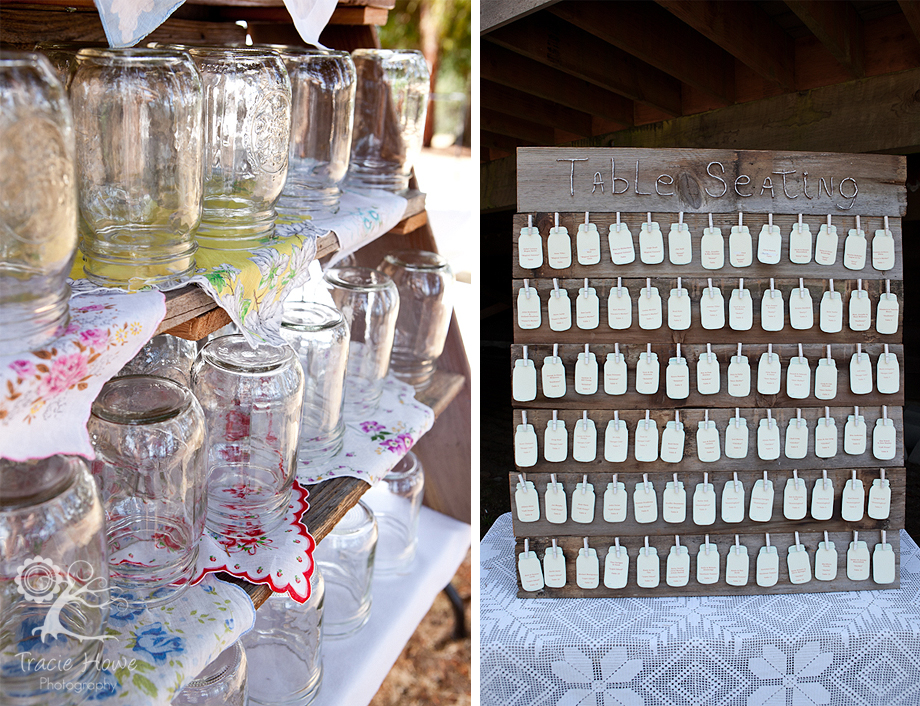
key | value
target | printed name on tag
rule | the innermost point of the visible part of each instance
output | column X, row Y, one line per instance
column 615, row 502
column 554, row 568
column 886, row 316
column 761, row 508
column 708, row 376
column 740, row 310
column 888, row 374
column 860, row 310
column 616, row 442
column 800, row 244
column 768, row 440
column 707, row 564
column 798, row 564
column 854, row 435
column 559, row 248
column 826, row 562
column 651, row 244
column 649, row 308
column 586, row 374
column 587, row 569
column 588, row 244
column 677, row 572
column 737, row 566
column 712, row 309
column 554, row 499
column 822, row 499
column 680, row 250
column 552, row 377
column 525, row 446
column 854, row 250
column 767, row 566
column 733, row 502
column 619, row 309
column 583, row 503
column 858, row 561
column 672, row 442
column 524, row 381
column 712, row 249
column 704, row 504
column 525, row 499
column 559, row 310
column 883, row 250
column 679, row 310
column 645, row 503
column 798, row 378
column 647, row 568
column 555, row 442
column 529, row 569
column 883, row 440
column 768, row 374
column 826, row 379
column 740, row 247
column 616, row 568
column 796, row 439
column 584, row 441
column 860, row 374
column 674, row 502
column 831, row 313
column 769, row 245
column 795, row 499
column 615, row 374
column 677, row 379
column 879, row 499
column 826, row 438
column 739, row 376
column 772, row 316
column 528, row 309
column 852, row 505
column 736, row 438
column 707, row 442
column 647, row 373
column 801, row 309
column 622, row 249
column 587, row 309
column 530, row 249
column 826, row 245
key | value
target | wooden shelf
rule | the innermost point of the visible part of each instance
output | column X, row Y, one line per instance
column 331, row 499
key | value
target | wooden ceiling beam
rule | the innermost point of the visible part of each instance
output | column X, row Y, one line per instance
column 679, row 52
column 911, row 10
column 502, row 143
column 743, row 30
column 838, row 27
column 498, row 13
column 562, row 46
column 506, row 68
column 501, row 124
column 538, row 110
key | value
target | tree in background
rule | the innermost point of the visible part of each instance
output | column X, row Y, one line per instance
column 441, row 29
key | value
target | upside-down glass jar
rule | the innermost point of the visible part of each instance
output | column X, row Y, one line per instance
column 38, row 202
column 165, row 356
column 148, row 435
column 137, row 115
column 54, row 595
column 391, row 102
column 224, row 682
column 252, row 399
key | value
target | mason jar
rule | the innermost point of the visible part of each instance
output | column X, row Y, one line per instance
column 224, row 682
column 166, row 356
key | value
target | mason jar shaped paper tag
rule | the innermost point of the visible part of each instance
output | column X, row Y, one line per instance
column 529, row 569
column 677, row 572
column 712, row 249
column 712, row 309
column 767, row 566
column 860, row 374
column 620, row 240
column 800, row 244
column 740, row 247
column 524, row 381
column 768, row 374
column 647, row 373
column 586, row 374
column 651, row 244
column 648, row 568
column 647, row 441
column 649, row 312
column 615, row 374
column 525, row 446
column 888, row 374
column 583, row 504
column 733, row 502
column 737, row 438
column 826, row 438
column 674, row 502
column 886, row 316
column 704, row 504
column 852, row 505
column 737, row 566
column 798, row 378
column 858, row 561
column 616, row 442
column 798, row 564
column 677, row 379
column 708, row 376
column 879, row 505
column 883, row 250
column 707, row 442
column 527, row 502
column 645, row 503
column 854, row 435
column 826, row 245
column 584, row 441
column 530, row 249
column 554, row 568
column 854, row 249
column 772, row 310
column 883, row 440
column 679, row 310
column 768, row 445
column 619, row 309
column 554, row 499
column 528, row 309
column 587, row 569
column 555, row 442
column 822, row 500
column 616, row 568
column 883, row 564
column 559, row 310
column 739, row 376
column 860, row 310
column 826, row 561
column 801, row 309
column 826, row 379
column 588, row 244
column 615, row 502
column 587, row 309
column 680, row 249
column 552, row 377
column 559, row 248
column 761, row 508
column 740, row 310
column 672, row 442
column 796, row 439
column 795, row 499
column 707, row 564
column 769, row 245
column 831, row 315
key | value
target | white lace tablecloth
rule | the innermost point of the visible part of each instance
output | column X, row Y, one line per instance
column 859, row 648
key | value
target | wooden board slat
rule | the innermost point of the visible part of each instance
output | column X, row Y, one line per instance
column 911, row 10
column 197, row 328
column 838, row 27
column 722, row 417
column 513, row 102
column 493, row 15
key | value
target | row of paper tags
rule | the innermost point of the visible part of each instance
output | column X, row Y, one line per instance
column 708, row 375
column 712, row 310
column 709, row 569
column 615, row 503
column 709, row 446
column 802, row 247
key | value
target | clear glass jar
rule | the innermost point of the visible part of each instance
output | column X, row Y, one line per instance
column 285, row 648
column 224, row 682
column 252, row 400
column 38, row 202
column 137, row 114
column 247, row 118
column 391, row 102
column 63, row 56
column 54, row 599
column 425, row 284
column 396, row 502
column 346, row 558
column 148, row 434
column 323, row 85
column 319, row 336
column 369, row 301
column 165, row 356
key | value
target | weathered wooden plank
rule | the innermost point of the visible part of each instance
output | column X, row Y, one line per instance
column 911, row 10
column 838, row 27
column 197, row 328
column 498, row 184
column 407, row 225
column 778, row 522
column 499, row 13
column 722, row 417
column 510, row 101
column 753, row 542
column 494, row 141
column 710, row 181
column 527, row 130
column 696, row 333
column 840, row 352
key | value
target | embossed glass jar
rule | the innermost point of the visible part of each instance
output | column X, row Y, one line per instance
column 247, row 119
column 224, row 682
column 166, row 356
column 38, row 202
column 137, row 115
column 54, row 597
column 63, row 56
column 391, row 102
column 148, row 434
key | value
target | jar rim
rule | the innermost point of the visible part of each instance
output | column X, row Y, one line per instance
column 413, row 467
column 232, row 353
column 309, row 317
column 14, row 57
column 120, row 400
column 45, row 495
column 218, row 53
column 132, row 55
column 358, row 278
column 417, row 260
column 224, row 667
